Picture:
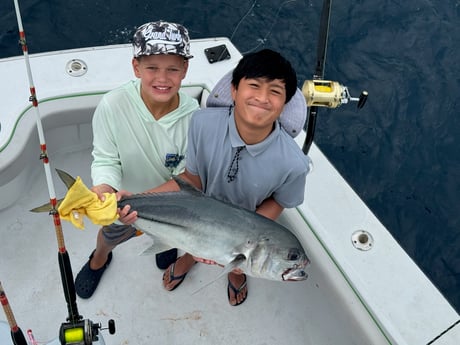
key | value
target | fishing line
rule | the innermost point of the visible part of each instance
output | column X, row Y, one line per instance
column 241, row 20
column 264, row 39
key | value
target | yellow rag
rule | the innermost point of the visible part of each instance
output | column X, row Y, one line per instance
column 80, row 201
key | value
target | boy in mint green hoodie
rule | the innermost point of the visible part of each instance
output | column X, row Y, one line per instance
column 140, row 134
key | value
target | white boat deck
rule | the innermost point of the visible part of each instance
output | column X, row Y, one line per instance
column 131, row 292
column 351, row 296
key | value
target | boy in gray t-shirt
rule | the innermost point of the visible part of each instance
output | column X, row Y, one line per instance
column 242, row 155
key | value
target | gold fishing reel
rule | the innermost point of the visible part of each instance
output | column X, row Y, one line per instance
column 329, row 94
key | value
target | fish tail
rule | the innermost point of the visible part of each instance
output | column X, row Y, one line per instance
column 68, row 181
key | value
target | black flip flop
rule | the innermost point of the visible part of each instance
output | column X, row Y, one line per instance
column 237, row 291
column 172, row 277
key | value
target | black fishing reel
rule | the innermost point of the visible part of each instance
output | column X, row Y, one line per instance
column 84, row 332
column 330, row 94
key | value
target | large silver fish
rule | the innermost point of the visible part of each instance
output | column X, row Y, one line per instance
column 211, row 229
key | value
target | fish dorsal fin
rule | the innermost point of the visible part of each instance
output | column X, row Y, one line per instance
column 235, row 263
column 187, row 187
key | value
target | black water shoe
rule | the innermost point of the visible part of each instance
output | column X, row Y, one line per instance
column 88, row 279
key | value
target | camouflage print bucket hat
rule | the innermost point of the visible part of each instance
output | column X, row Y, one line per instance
column 157, row 38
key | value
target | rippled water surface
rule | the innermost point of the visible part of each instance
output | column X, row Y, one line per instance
column 400, row 153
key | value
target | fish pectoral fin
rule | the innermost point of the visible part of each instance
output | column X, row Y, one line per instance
column 155, row 248
column 236, row 262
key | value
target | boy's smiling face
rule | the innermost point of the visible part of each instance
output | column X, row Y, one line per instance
column 161, row 76
column 258, row 103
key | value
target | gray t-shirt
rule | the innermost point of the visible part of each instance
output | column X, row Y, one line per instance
column 241, row 174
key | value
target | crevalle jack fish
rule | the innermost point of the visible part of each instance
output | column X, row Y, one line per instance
column 207, row 228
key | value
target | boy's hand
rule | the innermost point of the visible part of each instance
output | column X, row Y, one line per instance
column 125, row 216
column 100, row 189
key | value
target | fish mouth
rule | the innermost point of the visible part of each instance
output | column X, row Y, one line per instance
column 294, row 275
column 297, row 272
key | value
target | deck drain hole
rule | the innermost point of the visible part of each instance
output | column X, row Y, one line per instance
column 362, row 240
column 76, row 68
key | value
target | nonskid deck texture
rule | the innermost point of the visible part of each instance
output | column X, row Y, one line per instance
column 131, row 292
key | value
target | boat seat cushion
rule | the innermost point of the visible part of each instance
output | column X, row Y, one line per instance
column 292, row 118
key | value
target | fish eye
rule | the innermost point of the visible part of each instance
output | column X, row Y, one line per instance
column 293, row 254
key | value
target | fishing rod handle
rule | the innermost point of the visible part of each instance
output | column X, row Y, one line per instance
column 68, row 286
column 16, row 333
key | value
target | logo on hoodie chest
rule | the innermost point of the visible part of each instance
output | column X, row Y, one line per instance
column 172, row 160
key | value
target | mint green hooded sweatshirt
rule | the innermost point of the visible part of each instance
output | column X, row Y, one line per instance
column 132, row 150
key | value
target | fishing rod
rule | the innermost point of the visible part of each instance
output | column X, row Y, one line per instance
column 16, row 333
column 76, row 330
column 324, row 93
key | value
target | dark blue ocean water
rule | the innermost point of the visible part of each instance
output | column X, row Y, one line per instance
column 400, row 153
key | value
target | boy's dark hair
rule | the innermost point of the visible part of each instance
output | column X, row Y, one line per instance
column 268, row 64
